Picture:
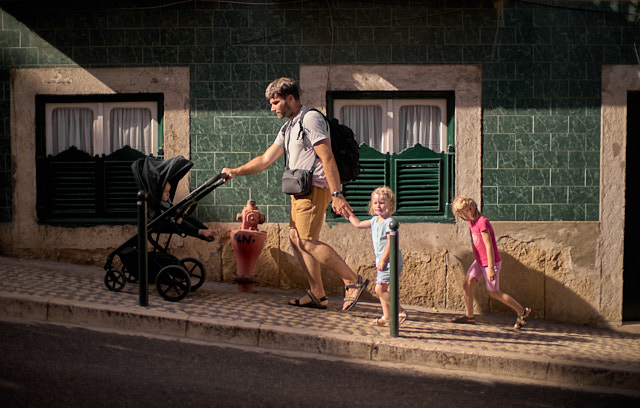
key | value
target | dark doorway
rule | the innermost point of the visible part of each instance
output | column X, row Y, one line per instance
column 631, row 274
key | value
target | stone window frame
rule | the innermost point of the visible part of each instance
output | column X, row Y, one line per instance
column 173, row 82
column 617, row 80
column 464, row 80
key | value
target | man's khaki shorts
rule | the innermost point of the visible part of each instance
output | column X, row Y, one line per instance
column 307, row 213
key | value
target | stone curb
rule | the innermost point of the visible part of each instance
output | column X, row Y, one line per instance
column 266, row 336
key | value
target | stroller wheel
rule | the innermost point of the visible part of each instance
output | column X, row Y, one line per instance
column 115, row 280
column 173, row 283
column 129, row 276
column 195, row 268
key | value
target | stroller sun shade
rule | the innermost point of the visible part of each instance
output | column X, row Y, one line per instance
column 152, row 173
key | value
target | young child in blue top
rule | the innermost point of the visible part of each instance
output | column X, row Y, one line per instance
column 381, row 206
column 487, row 263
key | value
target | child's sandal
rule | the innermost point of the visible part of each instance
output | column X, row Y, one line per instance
column 379, row 321
column 521, row 321
column 402, row 317
column 463, row 319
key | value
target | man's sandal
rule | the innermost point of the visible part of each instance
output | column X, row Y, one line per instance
column 314, row 304
column 463, row 319
column 360, row 285
column 522, row 319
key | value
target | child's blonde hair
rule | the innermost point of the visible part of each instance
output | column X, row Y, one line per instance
column 461, row 203
column 386, row 193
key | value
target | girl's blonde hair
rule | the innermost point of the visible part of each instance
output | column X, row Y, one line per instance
column 386, row 193
column 461, row 203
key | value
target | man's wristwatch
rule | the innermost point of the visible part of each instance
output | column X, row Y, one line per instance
column 336, row 194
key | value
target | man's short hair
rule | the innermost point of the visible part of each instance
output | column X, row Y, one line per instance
column 283, row 87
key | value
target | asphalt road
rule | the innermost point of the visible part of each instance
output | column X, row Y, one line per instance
column 44, row 365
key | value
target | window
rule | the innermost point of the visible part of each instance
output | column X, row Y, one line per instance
column 406, row 143
column 393, row 125
column 102, row 128
column 86, row 145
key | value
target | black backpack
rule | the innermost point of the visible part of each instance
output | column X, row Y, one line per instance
column 345, row 148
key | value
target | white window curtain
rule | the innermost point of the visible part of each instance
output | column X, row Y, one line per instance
column 366, row 123
column 131, row 126
column 420, row 124
column 72, row 127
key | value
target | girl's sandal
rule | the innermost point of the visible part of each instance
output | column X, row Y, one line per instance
column 521, row 321
column 379, row 321
column 463, row 319
column 402, row 317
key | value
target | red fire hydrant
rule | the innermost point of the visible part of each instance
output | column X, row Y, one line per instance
column 250, row 216
column 247, row 244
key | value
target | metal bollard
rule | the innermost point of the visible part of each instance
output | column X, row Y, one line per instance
column 143, row 270
column 393, row 281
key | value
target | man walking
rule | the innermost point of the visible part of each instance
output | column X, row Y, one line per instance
column 307, row 211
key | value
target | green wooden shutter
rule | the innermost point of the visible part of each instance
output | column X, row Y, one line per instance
column 120, row 190
column 421, row 179
column 81, row 189
column 417, row 181
column 374, row 172
column 72, row 188
column 68, row 185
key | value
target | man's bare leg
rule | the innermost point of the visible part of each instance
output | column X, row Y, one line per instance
column 314, row 253
column 312, row 270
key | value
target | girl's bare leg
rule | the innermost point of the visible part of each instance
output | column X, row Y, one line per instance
column 383, row 292
column 467, row 288
column 507, row 300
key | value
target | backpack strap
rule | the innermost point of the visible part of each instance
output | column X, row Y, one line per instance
column 286, row 142
column 287, row 136
column 303, row 131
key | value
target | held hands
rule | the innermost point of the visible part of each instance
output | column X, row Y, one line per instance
column 341, row 207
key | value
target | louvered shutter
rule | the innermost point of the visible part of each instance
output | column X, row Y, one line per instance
column 374, row 172
column 120, row 190
column 417, row 181
column 421, row 179
column 72, row 187
column 79, row 188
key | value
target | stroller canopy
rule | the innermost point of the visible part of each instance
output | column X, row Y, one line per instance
column 152, row 173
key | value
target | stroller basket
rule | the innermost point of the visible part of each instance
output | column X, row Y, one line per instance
column 174, row 278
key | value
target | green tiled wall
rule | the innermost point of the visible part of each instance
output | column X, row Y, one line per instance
column 541, row 80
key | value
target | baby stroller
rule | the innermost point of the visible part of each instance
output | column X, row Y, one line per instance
column 174, row 278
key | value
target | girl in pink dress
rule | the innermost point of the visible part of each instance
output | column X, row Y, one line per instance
column 487, row 263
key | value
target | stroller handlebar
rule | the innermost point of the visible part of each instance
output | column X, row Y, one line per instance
column 187, row 204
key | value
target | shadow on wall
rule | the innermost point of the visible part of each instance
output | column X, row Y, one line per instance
column 527, row 278
column 544, row 280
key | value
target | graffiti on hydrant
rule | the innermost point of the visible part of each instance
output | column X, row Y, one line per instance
column 243, row 239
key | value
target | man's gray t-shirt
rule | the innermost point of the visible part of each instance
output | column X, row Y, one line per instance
column 300, row 153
